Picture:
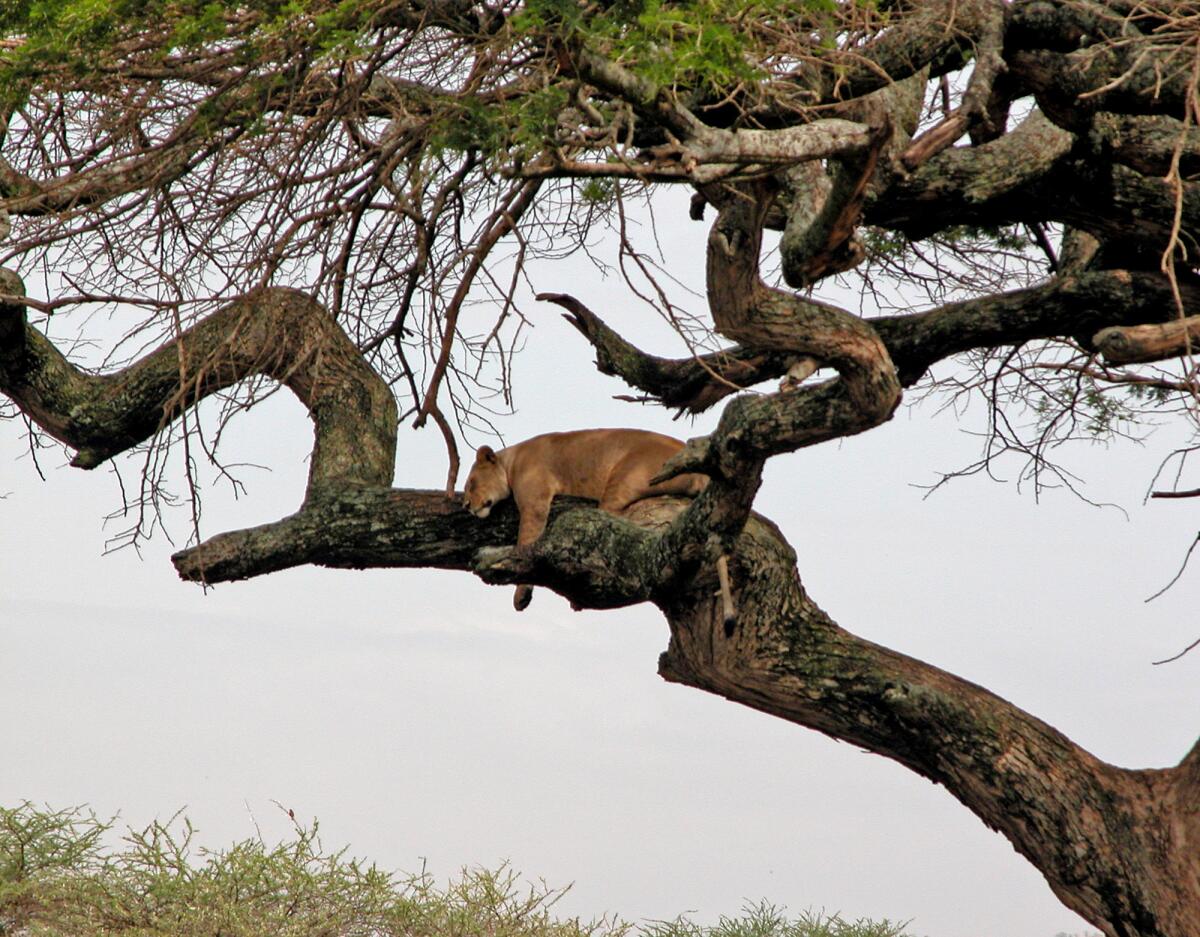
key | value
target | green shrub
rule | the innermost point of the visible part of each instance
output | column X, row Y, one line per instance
column 64, row 872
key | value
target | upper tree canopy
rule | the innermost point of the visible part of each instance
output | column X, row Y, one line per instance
column 374, row 154
column 324, row 193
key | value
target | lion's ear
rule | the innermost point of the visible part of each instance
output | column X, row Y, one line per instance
column 485, row 454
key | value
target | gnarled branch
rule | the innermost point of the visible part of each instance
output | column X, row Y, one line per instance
column 1087, row 823
column 984, row 184
column 746, row 310
column 280, row 333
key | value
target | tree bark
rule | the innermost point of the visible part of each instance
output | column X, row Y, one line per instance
column 280, row 333
column 1116, row 846
column 1125, row 345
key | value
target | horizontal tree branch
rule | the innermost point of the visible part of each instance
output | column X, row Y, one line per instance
column 698, row 144
column 1073, row 305
column 1192, row 493
column 1041, row 172
column 21, row 194
column 354, row 527
column 1078, row 305
column 591, row 557
column 821, row 139
column 1117, row 77
column 1149, row 143
column 982, row 184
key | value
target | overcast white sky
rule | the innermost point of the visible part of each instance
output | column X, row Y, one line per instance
column 421, row 719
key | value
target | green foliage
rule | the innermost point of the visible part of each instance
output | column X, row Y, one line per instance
column 60, row 876
column 884, row 243
column 1010, row 237
column 693, row 43
column 511, row 130
column 469, row 125
column 206, row 25
column 1096, row 410
column 1104, row 412
column 597, row 191
column 82, row 37
column 706, row 46
column 58, row 879
column 767, row 920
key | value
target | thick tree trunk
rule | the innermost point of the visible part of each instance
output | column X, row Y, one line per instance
column 1119, row 847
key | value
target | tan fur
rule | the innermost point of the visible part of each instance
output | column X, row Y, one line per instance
column 614, row 466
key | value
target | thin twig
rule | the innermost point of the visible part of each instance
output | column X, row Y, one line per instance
column 1175, row 578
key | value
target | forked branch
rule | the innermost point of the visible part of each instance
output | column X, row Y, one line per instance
column 752, row 429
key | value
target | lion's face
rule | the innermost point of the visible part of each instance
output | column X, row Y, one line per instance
column 487, row 485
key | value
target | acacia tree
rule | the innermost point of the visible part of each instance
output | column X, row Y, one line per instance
column 320, row 194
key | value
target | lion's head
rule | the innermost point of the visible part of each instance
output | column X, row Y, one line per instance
column 487, row 485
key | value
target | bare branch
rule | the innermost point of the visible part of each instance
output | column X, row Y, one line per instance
column 691, row 384
column 975, row 109
column 1193, row 493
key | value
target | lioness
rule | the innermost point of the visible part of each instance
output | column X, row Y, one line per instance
column 614, row 466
